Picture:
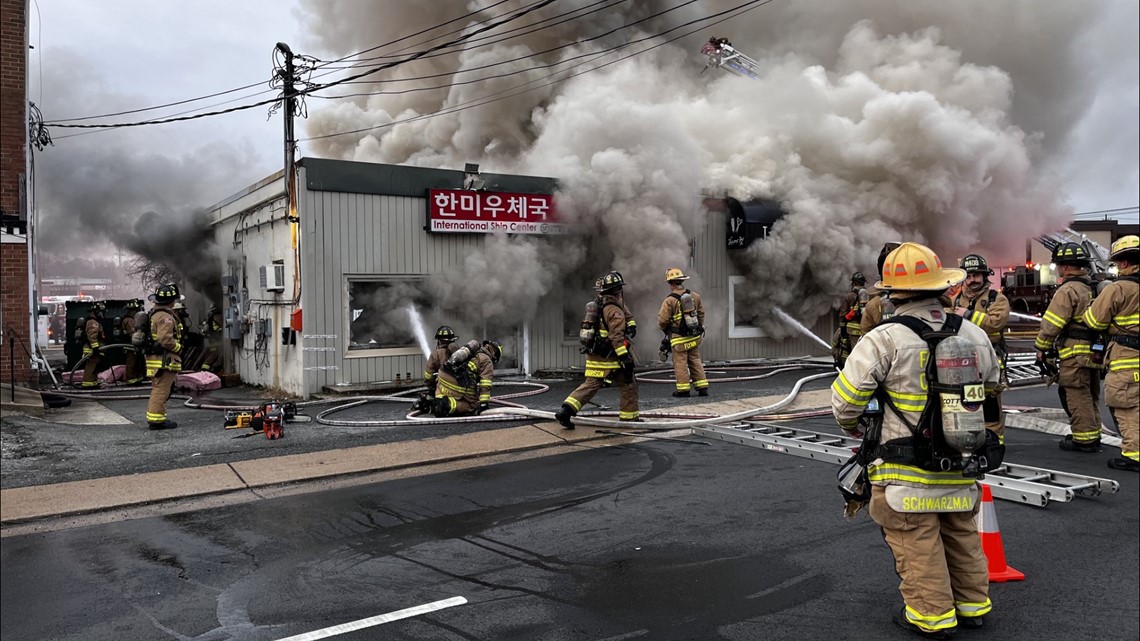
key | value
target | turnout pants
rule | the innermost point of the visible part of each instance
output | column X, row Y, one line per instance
column 939, row 558
column 627, row 387
column 134, row 369
column 91, row 368
column 445, row 406
column 687, row 366
column 1079, row 389
column 160, row 391
column 995, row 420
column 1122, row 396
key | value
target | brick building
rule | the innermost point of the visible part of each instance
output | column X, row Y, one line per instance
column 15, row 318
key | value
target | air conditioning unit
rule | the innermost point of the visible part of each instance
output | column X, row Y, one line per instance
column 272, row 277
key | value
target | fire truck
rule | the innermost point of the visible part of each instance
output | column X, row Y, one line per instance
column 1023, row 287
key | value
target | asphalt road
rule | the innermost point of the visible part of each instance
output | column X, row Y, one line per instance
column 658, row 540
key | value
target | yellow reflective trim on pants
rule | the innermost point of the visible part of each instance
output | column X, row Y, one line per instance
column 701, row 384
column 572, row 402
column 1135, row 456
column 1086, row 437
column 155, row 418
column 625, row 416
column 911, row 474
column 1121, row 364
column 933, row 622
column 968, row 609
column 683, row 387
column 453, row 388
column 1054, row 320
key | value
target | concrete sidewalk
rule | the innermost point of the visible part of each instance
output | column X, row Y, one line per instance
column 25, row 504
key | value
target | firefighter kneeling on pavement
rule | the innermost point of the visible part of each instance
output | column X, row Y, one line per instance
column 682, row 318
column 1117, row 310
column 926, row 514
column 608, row 354
column 162, row 354
column 463, row 386
column 988, row 309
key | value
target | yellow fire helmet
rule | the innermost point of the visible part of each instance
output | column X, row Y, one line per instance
column 1125, row 244
column 915, row 267
column 675, row 273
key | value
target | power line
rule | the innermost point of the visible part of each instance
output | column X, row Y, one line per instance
column 728, row 14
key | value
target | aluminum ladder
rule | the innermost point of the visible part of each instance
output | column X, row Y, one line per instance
column 1021, row 483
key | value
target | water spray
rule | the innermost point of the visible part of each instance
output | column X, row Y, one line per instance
column 1027, row 317
column 418, row 329
column 800, row 327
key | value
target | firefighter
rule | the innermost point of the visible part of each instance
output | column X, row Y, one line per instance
column 1117, row 309
column 1064, row 332
column 630, row 323
column 212, row 331
column 608, row 356
column 445, row 346
column 937, row 549
column 93, row 338
column 682, row 318
column 162, row 360
column 463, row 384
column 849, row 317
column 989, row 309
column 134, row 370
column 879, row 306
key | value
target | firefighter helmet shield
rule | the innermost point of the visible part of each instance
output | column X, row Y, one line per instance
column 612, row 282
column 1125, row 244
column 675, row 273
column 495, row 348
column 167, row 293
column 915, row 267
column 445, row 334
column 1070, row 254
column 975, row 264
column 858, row 278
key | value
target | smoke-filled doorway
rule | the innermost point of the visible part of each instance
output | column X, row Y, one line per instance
column 378, row 312
column 512, row 342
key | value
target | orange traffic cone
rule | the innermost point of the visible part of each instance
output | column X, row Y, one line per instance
column 991, row 541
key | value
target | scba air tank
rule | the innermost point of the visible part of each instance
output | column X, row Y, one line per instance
column 589, row 321
column 963, row 424
column 463, row 354
column 142, row 326
column 689, row 311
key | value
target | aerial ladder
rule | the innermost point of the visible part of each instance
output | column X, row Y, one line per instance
column 722, row 54
column 1098, row 255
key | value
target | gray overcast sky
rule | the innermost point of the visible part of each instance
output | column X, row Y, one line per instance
column 123, row 54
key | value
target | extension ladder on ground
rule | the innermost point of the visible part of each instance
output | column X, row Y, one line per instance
column 1022, row 369
column 1021, row 483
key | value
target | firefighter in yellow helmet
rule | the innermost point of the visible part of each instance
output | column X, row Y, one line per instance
column 464, row 383
column 1064, row 334
column 609, row 356
column 682, row 318
column 93, row 338
column 987, row 308
column 162, row 359
column 1117, row 310
column 926, row 514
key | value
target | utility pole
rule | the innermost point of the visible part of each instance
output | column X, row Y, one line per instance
column 289, row 103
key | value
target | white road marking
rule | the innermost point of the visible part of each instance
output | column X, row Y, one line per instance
column 360, row 624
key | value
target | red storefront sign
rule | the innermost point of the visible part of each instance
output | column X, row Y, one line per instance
column 482, row 212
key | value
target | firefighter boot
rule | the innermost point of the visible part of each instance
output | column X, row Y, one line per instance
column 903, row 622
column 423, row 405
column 702, row 391
column 1122, row 463
column 1069, row 445
column 681, row 393
column 564, row 414
column 164, row 425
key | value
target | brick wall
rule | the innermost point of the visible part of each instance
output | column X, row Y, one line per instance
column 13, row 155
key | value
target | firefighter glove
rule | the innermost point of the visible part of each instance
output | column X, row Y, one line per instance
column 483, row 407
column 631, row 331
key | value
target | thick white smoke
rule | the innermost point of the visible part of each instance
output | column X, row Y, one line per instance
column 874, row 121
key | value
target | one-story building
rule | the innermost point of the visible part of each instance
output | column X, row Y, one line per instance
column 320, row 300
